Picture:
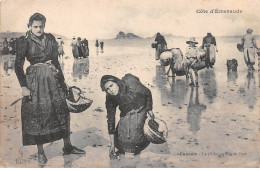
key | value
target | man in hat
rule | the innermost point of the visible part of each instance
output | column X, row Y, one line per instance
column 249, row 43
column 161, row 45
column 192, row 55
column 210, row 45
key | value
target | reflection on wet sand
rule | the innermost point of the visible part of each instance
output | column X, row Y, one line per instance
column 81, row 139
column 136, row 162
column 249, row 90
column 62, row 64
column 80, row 68
column 232, row 76
column 172, row 91
column 195, row 109
column 209, row 83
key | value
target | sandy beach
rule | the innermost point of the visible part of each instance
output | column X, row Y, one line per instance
column 213, row 125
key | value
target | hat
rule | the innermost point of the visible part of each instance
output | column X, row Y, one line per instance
column 76, row 101
column 156, row 130
column 192, row 39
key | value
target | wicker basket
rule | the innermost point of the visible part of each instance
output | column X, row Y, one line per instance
column 240, row 47
column 153, row 134
column 154, row 45
column 76, row 101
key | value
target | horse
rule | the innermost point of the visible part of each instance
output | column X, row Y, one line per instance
column 181, row 66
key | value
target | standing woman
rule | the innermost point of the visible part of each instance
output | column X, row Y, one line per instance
column 134, row 101
column 210, row 46
column 249, row 43
column 60, row 47
column 45, row 115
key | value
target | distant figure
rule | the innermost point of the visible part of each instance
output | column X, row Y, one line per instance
column 97, row 44
column 102, row 45
column 84, row 47
column 12, row 46
column 210, row 46
column 249, row 43
column 79, row 47
column 161, row 45
column 60, row 47
column 75, row 50
column 5, row 47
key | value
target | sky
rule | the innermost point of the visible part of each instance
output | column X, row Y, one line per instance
column 103, row 19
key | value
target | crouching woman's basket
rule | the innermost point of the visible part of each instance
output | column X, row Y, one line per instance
column 156, row 131
column 76, row 101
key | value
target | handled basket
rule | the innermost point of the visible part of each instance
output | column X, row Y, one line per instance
column 76, row 101
column 153, row 134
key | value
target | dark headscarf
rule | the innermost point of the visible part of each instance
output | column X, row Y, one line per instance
column 107, row 78
column 37, row 17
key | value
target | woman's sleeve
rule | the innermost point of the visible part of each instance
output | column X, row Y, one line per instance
column 55, row 60
column 149, row 100
column 254, row 43
column 214, row 41
column 19, row 61
column 111, row 114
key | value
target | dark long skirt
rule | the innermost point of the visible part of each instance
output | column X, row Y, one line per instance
column 45, row 117
column 129, row 136
column 75, row 51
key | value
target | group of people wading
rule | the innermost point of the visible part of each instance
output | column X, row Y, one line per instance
column 197, row 58
column 80, row 48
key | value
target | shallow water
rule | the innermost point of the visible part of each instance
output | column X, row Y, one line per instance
column 214, row 125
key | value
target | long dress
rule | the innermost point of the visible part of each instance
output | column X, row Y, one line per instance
column 209, row 43
column 45, row 116
column 134, row 101
column 75, row 49
column 249, row 44
column 60, row 47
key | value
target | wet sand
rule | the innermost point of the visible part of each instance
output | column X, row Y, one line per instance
column 214, row 125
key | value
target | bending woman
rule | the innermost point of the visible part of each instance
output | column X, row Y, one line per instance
column 134, row 101
column 45, row 115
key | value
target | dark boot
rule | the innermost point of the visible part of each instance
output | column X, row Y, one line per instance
column 72, row 150
column 42, row 159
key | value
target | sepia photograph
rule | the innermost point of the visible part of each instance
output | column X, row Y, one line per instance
column 129, row 84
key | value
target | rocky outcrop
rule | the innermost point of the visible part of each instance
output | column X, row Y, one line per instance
column 122, row 35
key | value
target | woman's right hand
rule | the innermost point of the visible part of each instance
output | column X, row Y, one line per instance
column 26, row 91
